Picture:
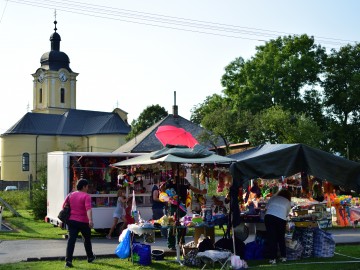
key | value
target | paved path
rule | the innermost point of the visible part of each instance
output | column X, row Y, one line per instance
column 26, row 250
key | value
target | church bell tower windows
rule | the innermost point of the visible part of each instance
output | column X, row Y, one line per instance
column 40, row 95
column 62, row 95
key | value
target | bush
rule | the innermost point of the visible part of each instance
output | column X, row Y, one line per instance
column 39, row 195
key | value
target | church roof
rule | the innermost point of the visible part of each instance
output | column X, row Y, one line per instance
column 147, row 141
column 71, row 123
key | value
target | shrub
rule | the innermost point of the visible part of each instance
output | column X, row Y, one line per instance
column 39, row 195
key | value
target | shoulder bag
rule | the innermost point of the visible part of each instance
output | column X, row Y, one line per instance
column 64, row 214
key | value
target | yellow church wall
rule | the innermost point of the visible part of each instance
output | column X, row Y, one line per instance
column 105, row 143
column 70, row 143
column 39, row 145
column 12, row 149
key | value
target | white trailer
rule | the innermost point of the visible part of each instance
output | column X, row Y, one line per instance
column 65, row 168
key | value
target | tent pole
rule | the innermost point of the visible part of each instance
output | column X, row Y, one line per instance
column 177, row 223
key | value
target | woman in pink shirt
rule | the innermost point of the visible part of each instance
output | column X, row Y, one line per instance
column 80, row 220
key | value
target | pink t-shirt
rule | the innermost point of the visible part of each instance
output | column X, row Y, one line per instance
column 80, row 203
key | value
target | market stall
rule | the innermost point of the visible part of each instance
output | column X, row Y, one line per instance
column 279, row 161
column 271, row 161
column 173, row 159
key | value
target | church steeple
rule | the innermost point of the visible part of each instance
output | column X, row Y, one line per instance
column 55, row 59
column 54, row 82
column 55, row 39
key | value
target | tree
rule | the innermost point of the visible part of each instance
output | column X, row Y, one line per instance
column 221, row 121
column 210, row 104
column 151, row 115
column 277, row 74
column 275, row 125
column 342, row 98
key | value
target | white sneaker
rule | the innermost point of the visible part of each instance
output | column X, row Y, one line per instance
column 283, row 259
column 272, row 261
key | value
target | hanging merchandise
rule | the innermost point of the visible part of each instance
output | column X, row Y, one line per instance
column 188, row 200
column 202, row 177
column 221, row 184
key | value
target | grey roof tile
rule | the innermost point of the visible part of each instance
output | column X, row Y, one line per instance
column 71, row 123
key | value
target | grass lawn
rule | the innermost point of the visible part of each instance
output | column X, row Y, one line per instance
column 335, row 263
column 347, row 257
column 25, row 227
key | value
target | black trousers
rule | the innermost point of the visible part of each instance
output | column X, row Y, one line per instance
column 275, row 231
column 74, row 228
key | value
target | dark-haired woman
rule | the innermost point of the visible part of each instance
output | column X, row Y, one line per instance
column 277, row 210
column 80, row 220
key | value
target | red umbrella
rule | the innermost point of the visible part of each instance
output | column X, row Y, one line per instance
column 175, row 136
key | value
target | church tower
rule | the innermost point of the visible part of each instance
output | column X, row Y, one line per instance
column 54, row 84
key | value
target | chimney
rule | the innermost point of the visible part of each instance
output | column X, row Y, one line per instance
column 175, row 107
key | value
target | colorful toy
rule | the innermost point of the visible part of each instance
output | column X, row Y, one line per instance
column 163, row 197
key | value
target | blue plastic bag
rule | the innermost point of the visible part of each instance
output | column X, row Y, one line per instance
column 123, row 249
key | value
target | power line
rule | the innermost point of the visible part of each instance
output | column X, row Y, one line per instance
column 164, row 21
column 2, row 15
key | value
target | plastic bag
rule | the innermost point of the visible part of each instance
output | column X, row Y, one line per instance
column 123, row 249
column 123, row 234
column 237, row 263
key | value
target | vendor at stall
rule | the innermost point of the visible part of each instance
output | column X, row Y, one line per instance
column 178, row 188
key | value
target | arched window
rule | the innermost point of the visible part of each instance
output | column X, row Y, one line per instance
column 62, row 95
column 25, row 162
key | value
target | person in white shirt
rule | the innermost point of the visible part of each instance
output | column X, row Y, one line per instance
column 277, row 210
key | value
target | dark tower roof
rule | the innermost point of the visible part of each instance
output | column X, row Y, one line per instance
column 55, row 59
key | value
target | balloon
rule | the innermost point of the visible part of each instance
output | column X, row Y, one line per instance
column 163, row 197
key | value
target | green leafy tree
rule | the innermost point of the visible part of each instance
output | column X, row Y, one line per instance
column 342, row 99
column 277, row 74
column 275, row 125
column 200, row 110
column 151, row 115
column 221, row 121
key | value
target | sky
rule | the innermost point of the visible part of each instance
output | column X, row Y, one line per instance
column 132, row 54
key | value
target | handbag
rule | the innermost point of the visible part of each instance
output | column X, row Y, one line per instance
column 226, row 243
column 64, row 214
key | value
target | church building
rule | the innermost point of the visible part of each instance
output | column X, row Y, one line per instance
column 54, row 124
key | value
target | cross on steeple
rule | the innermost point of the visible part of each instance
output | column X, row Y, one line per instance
column 55, row 22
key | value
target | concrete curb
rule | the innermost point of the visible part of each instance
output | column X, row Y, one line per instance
column 167, row 253
column 102, row 256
